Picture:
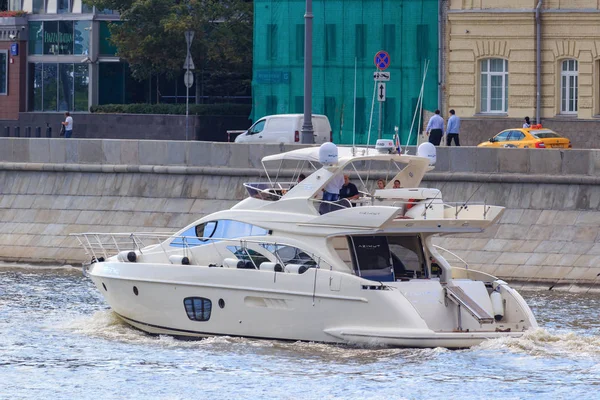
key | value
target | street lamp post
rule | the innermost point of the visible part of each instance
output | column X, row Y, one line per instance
column 307, row 126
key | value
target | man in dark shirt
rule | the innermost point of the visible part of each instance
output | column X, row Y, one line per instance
column 349, row 190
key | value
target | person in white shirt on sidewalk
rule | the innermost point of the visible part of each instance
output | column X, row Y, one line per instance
column 68, row 125
column 435, row 128
column 453, row 129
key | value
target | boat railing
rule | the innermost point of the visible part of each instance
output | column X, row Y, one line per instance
column 453, row 255
column 100, row 246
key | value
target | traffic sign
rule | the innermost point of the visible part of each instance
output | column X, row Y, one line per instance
column 382, row 60
column 381, row 91
column 189, row 63
column 189, row 36
column 381, row 76
column 188, row 79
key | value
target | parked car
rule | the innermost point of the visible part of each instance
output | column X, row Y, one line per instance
column 285, row 128
column 535, row 137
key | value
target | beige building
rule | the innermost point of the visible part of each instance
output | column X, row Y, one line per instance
column 492, row 60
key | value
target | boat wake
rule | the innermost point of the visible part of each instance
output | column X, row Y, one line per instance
column 541, row 343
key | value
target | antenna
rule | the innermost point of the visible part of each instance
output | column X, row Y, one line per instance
column 418, row 107
column 466, row 202
column 354, row 122
column 371, row 117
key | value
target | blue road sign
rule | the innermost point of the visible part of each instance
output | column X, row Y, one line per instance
column 14, row 49
column 382, row 60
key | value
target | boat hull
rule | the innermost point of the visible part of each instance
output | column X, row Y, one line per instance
column 318, row 305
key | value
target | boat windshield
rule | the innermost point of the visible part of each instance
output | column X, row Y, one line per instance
column 388, row 258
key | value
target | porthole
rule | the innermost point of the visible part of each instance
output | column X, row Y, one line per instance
column 221, row 303
column 135, row 290
column 197, row 308
column 104, row 286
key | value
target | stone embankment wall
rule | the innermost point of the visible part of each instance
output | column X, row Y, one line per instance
column 549, row 235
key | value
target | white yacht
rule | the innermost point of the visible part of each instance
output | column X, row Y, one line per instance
column 284, row 264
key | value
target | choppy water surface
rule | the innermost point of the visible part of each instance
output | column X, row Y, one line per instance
column 59, row 340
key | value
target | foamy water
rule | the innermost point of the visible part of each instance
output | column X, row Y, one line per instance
column 58, row 339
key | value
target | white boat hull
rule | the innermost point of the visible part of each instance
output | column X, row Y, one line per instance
column 318, row 305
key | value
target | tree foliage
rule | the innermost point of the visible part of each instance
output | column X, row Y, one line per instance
column 150, row 36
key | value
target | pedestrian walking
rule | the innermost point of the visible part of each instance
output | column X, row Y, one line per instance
column 435, row 128
column 453, row 129
column 526, row 123
column 68, row 124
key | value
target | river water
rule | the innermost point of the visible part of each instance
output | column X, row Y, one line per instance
column 59, row 340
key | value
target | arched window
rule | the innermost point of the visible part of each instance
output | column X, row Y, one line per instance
column 569, row 87
column 494, row 85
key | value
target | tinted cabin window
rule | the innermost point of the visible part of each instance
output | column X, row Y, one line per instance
column 290, row 255
column 197, row 308
column 407, row 256
column 212, row 231
column 371, row 257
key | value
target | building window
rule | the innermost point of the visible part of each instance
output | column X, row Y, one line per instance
column 330, row 48
column 271, row 42
column 300, row 42
column 3, row 72
column 197, row 308
column 106, row 47
column 36, row 37
column 38, row 7
column 360, row 41
column 64, row 7
column 14, row 5
column 494, row 85
column 569, row 87
column 81, row 37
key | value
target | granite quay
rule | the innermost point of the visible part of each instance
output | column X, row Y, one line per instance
column 548, row 236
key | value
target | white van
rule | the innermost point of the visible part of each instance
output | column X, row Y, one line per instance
column 285, row 128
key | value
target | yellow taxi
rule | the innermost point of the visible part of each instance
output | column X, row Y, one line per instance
column 535, row 137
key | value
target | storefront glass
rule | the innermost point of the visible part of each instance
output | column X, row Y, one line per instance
column 65, row 37
column 82, row 37
column 49, row 87
column 81, row 81
column 36, row 37
column 35, row 86
column 58, row 87
column 106, row 47
column 50, row 37
column 65, row 87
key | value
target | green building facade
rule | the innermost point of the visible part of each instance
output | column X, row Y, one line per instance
column 346, row 32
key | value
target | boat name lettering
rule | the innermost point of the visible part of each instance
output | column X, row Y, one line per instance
column 369, row 213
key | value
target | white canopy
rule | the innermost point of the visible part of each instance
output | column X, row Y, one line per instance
column 345, row 155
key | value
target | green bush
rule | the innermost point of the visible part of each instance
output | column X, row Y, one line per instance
column 177, row 109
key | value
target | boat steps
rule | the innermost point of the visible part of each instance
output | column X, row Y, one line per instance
column 460, row 298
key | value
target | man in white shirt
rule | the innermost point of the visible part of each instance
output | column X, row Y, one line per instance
column 68, row 125
column 332, row 189
column 435, row 128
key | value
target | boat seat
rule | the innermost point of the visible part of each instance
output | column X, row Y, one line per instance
column 271, row 266
column 232, row 263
